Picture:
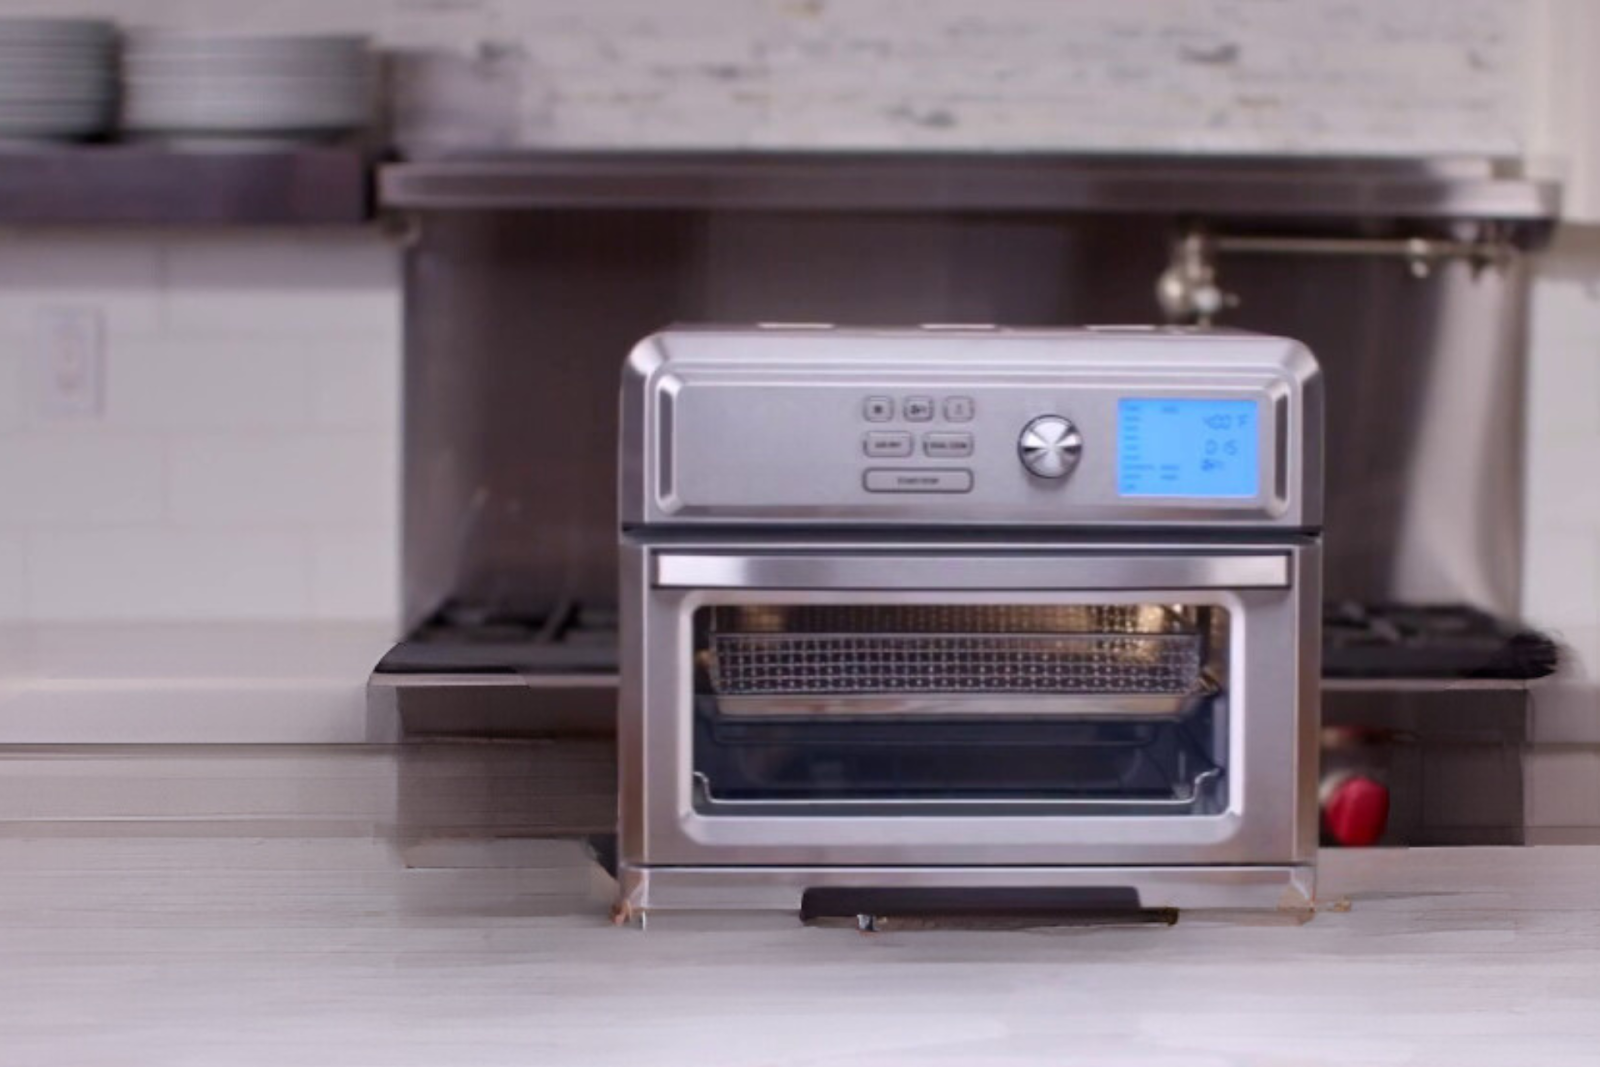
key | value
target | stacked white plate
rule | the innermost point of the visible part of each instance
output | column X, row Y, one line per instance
column 245, row 88
column 58, row 78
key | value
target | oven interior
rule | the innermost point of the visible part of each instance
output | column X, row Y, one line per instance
column 939, row 708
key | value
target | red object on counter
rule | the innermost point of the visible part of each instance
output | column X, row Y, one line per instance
column 1355, row 810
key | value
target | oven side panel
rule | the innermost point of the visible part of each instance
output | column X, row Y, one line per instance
column 1308, row 685
column 633, row 740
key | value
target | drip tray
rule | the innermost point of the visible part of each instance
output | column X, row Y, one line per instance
column 881, row 910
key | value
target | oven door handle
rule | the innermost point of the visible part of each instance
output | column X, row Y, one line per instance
column 957, row 570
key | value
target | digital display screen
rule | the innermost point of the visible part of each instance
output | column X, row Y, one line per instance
column 1189, row 448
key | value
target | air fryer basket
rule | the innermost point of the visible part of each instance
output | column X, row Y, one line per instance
column 934, row 659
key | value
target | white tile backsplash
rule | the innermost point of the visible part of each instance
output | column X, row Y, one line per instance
column 301, row 481
column 60, row 478
column 304, row 285
column 1566, row 302
column 1563, row 485
column 1566, row 710
column 252, row 406
column 1563, row 786
column 353, row 570
column 121, row 277
column 1561, row 582
column 13, row 578
column 238, row 384
column 159, row 572
column 1561, row 588
column 1564, row 382
column 11, row 383
column 356, row 384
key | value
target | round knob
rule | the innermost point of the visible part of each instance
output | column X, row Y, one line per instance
column 1355, row 810
column 1050, row 446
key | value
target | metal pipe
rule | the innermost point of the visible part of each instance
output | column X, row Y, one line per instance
column 1190, row 290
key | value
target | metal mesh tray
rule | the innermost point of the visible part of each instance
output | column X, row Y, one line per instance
column 778, row 664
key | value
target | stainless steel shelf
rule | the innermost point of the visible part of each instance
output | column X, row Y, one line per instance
column 1243, row 187
column 140, row 185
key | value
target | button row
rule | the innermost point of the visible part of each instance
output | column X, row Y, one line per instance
column 882, row 443
column 918, row 408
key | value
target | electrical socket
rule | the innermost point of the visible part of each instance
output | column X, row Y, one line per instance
column 70, row 362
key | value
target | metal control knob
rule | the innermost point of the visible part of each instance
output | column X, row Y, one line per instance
column 1050, row 446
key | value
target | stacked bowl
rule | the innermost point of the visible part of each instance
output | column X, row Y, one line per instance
column 58, row 78
column 223, row 89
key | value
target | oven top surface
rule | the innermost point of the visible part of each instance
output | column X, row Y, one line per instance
column 971, row 426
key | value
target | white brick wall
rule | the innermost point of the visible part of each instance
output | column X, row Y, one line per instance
column 245, row 465
column 1350, row 76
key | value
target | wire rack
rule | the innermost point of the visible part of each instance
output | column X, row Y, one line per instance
column 789, row 663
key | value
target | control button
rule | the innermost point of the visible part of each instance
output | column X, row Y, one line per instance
column 887, row 443
column 958, row 408
column 1050, row 446
column 918, row 408
column 878, row 409
column 911, row 480
column 947, row 445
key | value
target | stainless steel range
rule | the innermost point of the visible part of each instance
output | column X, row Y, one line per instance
column 997, row 613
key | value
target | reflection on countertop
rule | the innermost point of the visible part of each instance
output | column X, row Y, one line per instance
column 294, row 949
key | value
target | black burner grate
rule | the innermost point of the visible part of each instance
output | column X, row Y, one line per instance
column 1430, row 641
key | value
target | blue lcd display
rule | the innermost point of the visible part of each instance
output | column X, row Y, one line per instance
column 1187, row 448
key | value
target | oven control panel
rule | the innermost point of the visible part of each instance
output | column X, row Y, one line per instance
column 1033, row 427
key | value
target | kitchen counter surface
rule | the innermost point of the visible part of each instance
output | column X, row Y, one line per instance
column 187, row 683
column 191, row 950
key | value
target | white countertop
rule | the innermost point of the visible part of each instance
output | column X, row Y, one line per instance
column 165, row 683
column 179, row 950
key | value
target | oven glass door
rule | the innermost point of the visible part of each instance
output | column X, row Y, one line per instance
column 1087, row 707
column 1098, row 704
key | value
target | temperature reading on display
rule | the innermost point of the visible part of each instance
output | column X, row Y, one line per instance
column 1187, row 448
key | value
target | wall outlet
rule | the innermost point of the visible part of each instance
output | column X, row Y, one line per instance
column 70, row 362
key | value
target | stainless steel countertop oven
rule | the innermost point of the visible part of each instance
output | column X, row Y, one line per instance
column 1005, row 614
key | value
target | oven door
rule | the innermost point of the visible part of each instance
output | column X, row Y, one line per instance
column 886, row 706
